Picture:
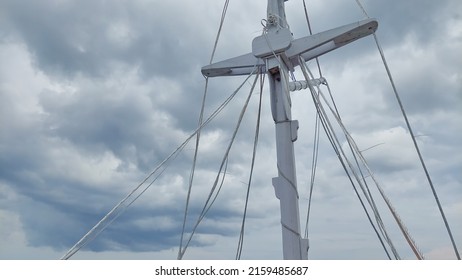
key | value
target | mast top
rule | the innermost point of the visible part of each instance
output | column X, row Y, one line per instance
column 276, row 15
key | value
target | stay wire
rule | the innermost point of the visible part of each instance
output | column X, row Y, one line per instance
column 339, row 151
column 311, row 33
column 335, row 147
column 193, row 168
column 316, row 135
column 121, row 206
column 314, row 163
column 424, row 166
column 368, row 197
column 119, row 209
column 209, row 202
column 413, row 137
column 367, row 194
column 356, row 151
column 196, row 151
column 365, row 186
column 220, row 27
column 254, row 153
column 330, row 134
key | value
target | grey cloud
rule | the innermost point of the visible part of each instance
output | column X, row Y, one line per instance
column 91, row 37
column 121, row 89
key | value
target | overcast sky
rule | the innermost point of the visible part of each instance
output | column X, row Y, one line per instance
column 95, row 94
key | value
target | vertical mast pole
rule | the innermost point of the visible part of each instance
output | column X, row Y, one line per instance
column 278, row 53
column 285, row 185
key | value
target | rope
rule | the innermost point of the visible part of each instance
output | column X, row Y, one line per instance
column 413, row 137
column 222, row 20
column 193, row 168
column 196, row 151
column 435, row 195
column 314, row 163
column 355, row 151
column 209, row 202
column 314, row 159
column 122, row 205
column 311, row 33
column 254, row 153
column 339, row 151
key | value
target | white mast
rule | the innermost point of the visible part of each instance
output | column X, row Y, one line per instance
column 285, row 185
column 277, row 53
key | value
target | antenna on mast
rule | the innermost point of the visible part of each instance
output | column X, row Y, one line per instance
column 277, row 53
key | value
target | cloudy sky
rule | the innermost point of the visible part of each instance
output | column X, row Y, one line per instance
column 95, row 94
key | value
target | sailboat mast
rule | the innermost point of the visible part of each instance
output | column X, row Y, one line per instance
column 285, row 185
column 276, row 52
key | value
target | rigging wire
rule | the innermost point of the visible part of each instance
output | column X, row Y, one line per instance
column 316, row 137
column 193, row 168
column 355, row 150
column 254, row 153
column 122, row 205
column 311, row 33
column 220, row 27
column 367, row 194
column 413, row 137
column 314, row 163
column 209, row 202
column 327, row 126
column 357, row 153
column 364, row 187
column 201, row 115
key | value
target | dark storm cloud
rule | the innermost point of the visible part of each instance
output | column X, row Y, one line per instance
column 130, row 233
column 91, row 37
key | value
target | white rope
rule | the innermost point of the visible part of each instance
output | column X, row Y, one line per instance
column 193, row 168
column 314, row 163
column 196, row 151
column 355, row 150
column 311, row 33
column 122, row 205
column 317, row 127
column 222, row 20
column 341, row 154
column 254, row 153
column 209, row 202
column 413, row 137
column 352, row 144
